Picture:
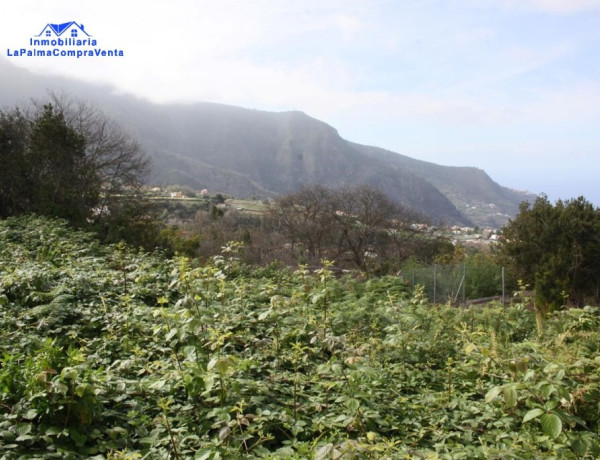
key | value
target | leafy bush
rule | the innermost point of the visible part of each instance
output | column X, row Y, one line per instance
column 108, row 352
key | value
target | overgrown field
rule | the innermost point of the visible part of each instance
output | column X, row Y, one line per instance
column 107, row 352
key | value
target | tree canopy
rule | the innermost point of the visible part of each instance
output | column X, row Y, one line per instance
column 66, row 159
column 556, row 248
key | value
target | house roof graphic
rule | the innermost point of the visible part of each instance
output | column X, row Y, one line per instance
column 59, row 29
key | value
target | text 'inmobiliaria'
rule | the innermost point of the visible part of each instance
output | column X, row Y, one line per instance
column 68, row 39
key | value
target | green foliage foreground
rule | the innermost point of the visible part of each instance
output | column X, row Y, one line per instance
column 112, row 353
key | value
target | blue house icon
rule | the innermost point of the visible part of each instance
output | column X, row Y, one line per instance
column 66, row 29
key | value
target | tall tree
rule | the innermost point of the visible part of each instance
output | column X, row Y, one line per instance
column 55, row 158
column 14, row 173
column 64, row 158
column 556, row 248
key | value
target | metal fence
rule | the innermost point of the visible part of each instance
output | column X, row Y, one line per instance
column 458, row 283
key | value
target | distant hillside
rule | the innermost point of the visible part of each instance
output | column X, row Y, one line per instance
column 276, row 153
column 251, row 153
column 471, row 190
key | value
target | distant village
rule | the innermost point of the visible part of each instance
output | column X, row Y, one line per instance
column 474, row 237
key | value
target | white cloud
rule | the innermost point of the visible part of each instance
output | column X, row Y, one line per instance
column 577, row 104
column 552, row 6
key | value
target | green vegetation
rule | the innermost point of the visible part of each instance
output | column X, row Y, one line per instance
column 476, row 276
column 63, row 158
column 556, row 249
column 251, row 206
column 109, row 352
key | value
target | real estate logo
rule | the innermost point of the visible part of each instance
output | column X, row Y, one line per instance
column 68, row 39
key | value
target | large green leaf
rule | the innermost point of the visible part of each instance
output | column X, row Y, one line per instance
column 551, row 425
column 23, row 428
column 533, row 413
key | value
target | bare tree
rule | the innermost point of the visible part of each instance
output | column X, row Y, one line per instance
column 306, row 220
column 352, row 225
column 362, row 214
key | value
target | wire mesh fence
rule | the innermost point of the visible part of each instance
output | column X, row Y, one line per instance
column 458, row 283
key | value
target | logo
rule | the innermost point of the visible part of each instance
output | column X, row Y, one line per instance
column 68, row 39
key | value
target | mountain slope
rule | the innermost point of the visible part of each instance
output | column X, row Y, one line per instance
column 245, row 153
column 281, row 152
column 470, row 189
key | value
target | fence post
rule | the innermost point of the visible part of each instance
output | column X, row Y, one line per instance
column 503, row 298
column 464, row 282
column 434, row 282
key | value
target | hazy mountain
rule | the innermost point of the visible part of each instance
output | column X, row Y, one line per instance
column 471, row 190
column 251, row 153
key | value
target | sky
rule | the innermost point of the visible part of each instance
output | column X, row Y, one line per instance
column 509, row 86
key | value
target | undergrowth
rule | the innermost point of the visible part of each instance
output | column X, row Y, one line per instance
column 110, row 352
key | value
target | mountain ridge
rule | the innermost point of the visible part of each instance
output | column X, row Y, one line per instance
column 253, row 153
